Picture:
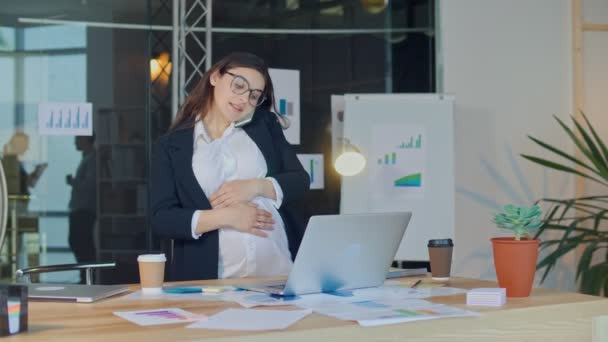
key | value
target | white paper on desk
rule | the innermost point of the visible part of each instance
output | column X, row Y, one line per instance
column 159, row 316
column 406, row 311
column 250, row 299
column 384, row 311
column 252, row 319
column 440, row 291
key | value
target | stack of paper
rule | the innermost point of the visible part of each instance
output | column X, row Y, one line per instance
column 487, row 297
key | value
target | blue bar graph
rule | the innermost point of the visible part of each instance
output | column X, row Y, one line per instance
column 59, row 123
column 65, row 118
column 49, row 123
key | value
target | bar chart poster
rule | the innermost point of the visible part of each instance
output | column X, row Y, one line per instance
column 63, row 118
column 397, row 161
column 286, row 84
column 313, row 164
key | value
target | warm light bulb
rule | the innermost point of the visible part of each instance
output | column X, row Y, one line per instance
column 350, row 163
column 374, row 6
column 160, row 68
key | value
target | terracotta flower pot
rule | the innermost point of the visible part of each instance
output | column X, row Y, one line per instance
column 515, row 263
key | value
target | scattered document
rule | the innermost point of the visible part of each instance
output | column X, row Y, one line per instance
column 252, row 319
column 410, row 283
column 385, row 311
column 249, row 299
column 159, row 316
column 440, row 291
column 410, row 310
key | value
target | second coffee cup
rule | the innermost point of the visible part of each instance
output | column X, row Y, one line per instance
column 440, row 257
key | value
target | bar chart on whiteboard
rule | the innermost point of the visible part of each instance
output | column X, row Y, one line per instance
column 399, row 163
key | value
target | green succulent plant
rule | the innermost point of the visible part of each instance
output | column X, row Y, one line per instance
column 521, row 220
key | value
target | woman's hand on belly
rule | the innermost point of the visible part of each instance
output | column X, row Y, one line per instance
column 241, row 191
column 247, row 218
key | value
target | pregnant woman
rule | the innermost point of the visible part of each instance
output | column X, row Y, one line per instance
column 224, row 176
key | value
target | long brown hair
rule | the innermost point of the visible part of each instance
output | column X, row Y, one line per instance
column 200, row 99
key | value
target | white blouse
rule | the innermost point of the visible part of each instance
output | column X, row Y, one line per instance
column 235, row 156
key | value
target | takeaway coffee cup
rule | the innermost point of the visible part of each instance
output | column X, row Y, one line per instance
column 151, row 272
column 440, row 256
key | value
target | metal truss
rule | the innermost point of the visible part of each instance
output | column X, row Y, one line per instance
column 191, row 49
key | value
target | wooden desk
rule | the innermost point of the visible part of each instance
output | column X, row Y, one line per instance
column 545, row 315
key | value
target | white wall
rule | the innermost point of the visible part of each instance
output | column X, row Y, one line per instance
column 508, row 63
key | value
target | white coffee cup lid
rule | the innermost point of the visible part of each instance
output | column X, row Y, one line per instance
column 152, row 258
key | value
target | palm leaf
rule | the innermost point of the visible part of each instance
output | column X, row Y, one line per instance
column 574, row 138
column 560, row 167
column 595, row 155
column 585, row 261
column 550, row 260
column 549, row 226
column 597, row 138
column 594, row 280
column 563, row 154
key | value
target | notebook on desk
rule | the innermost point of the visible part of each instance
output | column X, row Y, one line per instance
column 73, row 292
column 342, row 252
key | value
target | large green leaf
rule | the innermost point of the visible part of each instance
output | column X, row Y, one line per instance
column 595, row 156
column 550, row 260
column 598, row 219
column 581, row 146
column 585, row 261
column 563, row 154
column 560, row 167
column 599, row 141
column 594, row 280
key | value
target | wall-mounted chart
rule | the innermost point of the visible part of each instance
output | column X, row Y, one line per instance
column 61, row 118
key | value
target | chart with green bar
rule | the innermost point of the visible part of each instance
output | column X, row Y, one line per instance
column 313, row 164
column 411, row 143
column 392, row 157
column 412, row 180
column 398, row 162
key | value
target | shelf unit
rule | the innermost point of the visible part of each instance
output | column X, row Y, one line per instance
column 122, row 190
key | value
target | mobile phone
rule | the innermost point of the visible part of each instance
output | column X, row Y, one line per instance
column 244, row 121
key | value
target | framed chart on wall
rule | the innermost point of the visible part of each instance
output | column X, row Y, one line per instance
column 407, row 141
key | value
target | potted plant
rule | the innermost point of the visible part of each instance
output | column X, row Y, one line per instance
column 515, row 257
column 581, row 220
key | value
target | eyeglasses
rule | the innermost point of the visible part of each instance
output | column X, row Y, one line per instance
column 240, row 86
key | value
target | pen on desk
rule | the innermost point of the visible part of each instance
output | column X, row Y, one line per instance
column 416, row 284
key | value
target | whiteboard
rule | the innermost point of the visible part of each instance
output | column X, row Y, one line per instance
column 408, row 143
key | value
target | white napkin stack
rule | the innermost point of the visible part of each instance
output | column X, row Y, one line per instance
column 487, row 297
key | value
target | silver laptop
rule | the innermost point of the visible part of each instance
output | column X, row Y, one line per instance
column 341, row 252
column 73, row 292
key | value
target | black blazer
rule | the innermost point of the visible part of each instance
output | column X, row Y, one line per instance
column 176, row 194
